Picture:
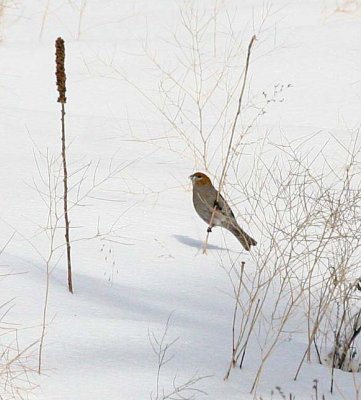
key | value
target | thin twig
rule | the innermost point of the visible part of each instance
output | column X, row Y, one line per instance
column 238, row 113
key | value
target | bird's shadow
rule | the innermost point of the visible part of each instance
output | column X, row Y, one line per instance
column 198, row 244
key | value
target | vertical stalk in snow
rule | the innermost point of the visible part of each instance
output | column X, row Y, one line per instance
column 233, row 130
column 60, row 82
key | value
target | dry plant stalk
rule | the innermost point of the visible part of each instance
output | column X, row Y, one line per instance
column 53, row 220
column 49, row 189
column 161, row 347
column 61, row 85
column 309, row 218
column 16, row 369
column 234, row 125
column 198, row 87
column 2, row 11
column 309, row 256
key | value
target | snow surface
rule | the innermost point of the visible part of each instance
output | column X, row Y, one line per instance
column 97, row 342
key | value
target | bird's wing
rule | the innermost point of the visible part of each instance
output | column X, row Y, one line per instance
column 223, row 206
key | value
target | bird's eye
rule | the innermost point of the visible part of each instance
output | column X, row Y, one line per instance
column 198, row 176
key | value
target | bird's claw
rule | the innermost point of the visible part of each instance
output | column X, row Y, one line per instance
column 209, row 229
column 217, row 206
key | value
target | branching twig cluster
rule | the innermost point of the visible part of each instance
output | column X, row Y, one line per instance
column 307, row 213
column 85, row 181
column 161, row 347
column 16, row 361
column 198, row 90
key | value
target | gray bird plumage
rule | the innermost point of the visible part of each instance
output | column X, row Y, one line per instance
column 204, row 201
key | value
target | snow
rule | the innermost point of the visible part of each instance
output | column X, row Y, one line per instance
column 150, row 267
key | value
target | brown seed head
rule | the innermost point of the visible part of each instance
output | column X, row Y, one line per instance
column 60, row 69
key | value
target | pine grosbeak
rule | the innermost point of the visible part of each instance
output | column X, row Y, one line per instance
column 205, row 200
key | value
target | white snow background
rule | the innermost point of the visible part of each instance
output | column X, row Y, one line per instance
column 150, row 269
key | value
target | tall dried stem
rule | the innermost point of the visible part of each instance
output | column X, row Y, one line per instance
column 61, row 85
column 234, row 125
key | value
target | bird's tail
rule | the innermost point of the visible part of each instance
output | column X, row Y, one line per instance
column 245, row 240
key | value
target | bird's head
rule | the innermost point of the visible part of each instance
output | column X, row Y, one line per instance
column 200, row 179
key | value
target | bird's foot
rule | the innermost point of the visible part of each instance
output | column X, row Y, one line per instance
column 216, row 205
column 209, row 229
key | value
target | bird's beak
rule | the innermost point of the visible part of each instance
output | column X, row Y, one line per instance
column 191, row 177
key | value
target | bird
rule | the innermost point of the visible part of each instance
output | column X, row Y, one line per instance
column 205, row 201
